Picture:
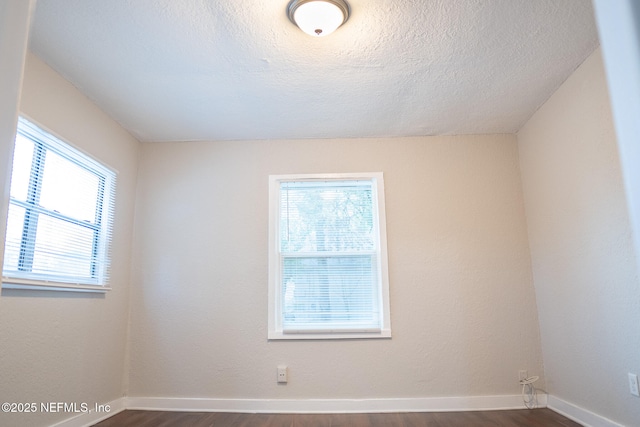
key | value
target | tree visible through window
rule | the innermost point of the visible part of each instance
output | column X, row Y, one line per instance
column 329, row 264
column 60, row 213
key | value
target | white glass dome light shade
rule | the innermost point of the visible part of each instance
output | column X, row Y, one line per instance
column 318, row 18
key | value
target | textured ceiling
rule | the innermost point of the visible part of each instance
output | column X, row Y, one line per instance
column 229, row 70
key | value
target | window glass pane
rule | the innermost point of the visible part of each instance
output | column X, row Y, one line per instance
column 69, row 189
column 336, row 292
column 63, row 247
column 22, row 157
column 60, row 213
column 15, row 222
column 334, row 217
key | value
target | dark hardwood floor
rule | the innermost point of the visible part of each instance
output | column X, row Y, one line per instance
column 512, row 418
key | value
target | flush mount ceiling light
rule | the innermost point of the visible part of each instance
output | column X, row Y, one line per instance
column 318, row 18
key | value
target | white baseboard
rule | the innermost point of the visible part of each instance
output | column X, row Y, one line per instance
column 578, row 414
column 301, row 406
column 428, row 404
column 91, row 417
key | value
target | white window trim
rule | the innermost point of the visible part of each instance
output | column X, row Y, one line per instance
column 275, row 331
column 13, row 282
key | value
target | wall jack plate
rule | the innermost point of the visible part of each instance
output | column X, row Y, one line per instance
column 633, row 385
column 522, row 374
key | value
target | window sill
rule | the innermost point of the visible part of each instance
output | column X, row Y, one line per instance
column 43, row 285
column 279, row 335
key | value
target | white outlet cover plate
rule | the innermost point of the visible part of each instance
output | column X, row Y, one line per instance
column 282, row 374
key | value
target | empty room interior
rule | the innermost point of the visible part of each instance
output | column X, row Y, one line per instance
column 503, row 268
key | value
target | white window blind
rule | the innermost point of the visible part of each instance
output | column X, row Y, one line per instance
column 60, row 213
column 329, row 274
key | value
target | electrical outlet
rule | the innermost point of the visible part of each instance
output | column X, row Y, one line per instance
column 282, row 374
column 522, row 374
column 633, row 384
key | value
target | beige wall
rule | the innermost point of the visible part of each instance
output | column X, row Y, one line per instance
column 582, row 257
column 463, row 309
column 70, row 347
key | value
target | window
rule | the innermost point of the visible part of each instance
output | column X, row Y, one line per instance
column 327, row 258
column 60, row 215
